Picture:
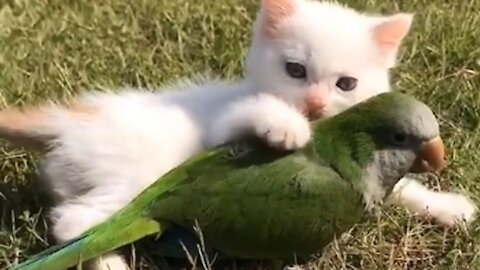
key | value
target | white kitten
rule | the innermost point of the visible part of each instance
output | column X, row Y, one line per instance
column 104, row 149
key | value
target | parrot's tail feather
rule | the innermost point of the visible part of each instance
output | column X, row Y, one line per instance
column 91, row 244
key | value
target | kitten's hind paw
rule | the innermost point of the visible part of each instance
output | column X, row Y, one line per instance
column 109, row 261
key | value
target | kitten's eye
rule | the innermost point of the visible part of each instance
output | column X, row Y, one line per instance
column 296, row 70
column 346, row 83
column 399, row 138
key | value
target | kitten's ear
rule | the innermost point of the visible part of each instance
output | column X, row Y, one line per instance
column 273, row 12
column 389, row 34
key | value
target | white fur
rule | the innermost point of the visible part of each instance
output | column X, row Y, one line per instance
column 110, row 261
column 102, row 162
column 446, row 208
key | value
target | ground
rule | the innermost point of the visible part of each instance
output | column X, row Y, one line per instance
column 52, row 49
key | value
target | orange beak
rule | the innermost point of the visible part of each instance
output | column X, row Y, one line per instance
column 431, row 157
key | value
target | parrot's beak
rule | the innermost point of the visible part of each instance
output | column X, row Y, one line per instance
column 431, row 157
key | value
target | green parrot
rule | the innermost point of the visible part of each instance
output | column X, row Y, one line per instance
column 255, row 202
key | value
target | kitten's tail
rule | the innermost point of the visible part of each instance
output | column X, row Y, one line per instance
column 37, row 127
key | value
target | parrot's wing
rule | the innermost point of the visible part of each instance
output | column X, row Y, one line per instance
column 244, row 202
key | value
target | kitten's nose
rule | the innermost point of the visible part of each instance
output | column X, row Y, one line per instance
column 317, row 99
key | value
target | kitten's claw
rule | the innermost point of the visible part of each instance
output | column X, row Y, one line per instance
column 449, row 209
column 292, row 133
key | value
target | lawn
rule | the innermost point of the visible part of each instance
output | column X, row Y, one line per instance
column 52, row 49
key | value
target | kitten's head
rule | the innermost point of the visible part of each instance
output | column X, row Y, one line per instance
column 332, row 54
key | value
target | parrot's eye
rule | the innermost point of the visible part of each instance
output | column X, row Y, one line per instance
column 296, row 70
column 399, row 138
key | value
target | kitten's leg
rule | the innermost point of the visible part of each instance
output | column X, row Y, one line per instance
column 265, row 116
column 108, row 261
column 446, row 208
column 76, row 216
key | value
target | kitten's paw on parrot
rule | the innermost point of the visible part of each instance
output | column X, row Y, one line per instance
column 449, row 209
column 265, row 116
column 284, row 128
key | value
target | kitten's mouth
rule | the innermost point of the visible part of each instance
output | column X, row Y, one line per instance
column 312, row 114
column 314, row 109
column 315, row 115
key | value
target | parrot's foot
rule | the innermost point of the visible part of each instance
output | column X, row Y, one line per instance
column 449, row 209
column 110, row 261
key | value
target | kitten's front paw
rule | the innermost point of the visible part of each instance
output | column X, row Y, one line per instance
column 292, row 132
column 450, row 209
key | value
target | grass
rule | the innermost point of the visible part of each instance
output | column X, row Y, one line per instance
column 52, row 49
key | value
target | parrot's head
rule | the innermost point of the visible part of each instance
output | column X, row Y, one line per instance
column 391, row 135
column 406, row 131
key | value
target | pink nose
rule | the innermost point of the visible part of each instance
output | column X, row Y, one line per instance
column 316, row 99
